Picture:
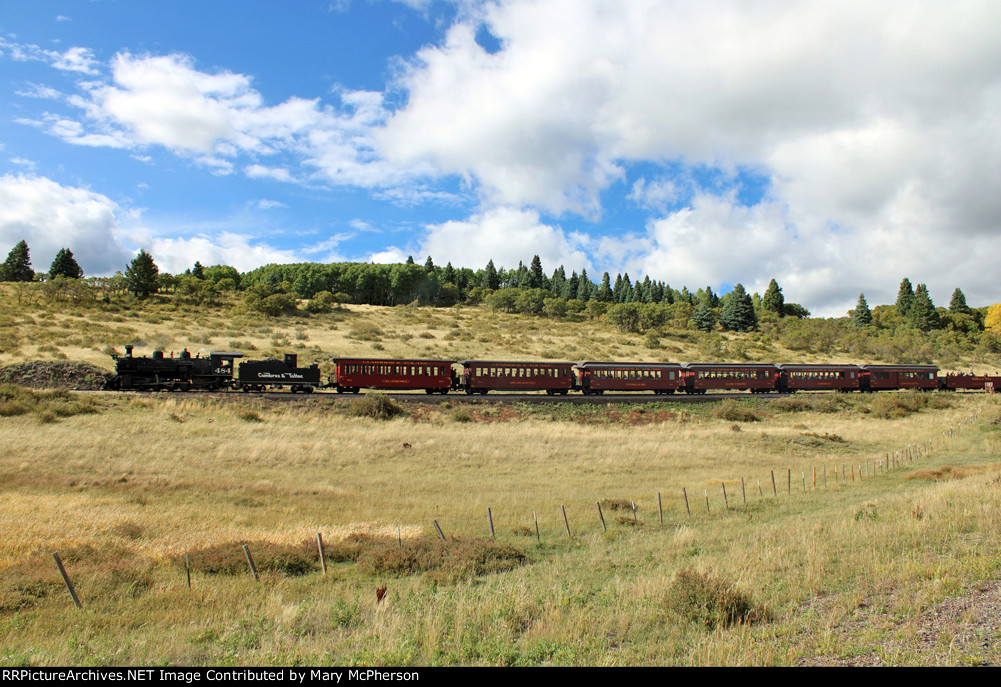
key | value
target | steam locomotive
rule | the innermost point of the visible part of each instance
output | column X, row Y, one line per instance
column 215, row 372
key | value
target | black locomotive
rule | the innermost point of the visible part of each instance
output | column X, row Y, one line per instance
column 161, row 373
column 187, row 373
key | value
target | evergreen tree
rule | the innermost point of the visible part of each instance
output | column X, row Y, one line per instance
column 17, row 267
column 570, row 287
column 585, row 289
column 645, row 290
column 958, row 303
column 773, row 301
column 704, row 319
column 140, row 275
column 605, row 293
column 627, row 289
column 448, row 275
column 668, row 295
column 558, row 281
column 536, row 277
column 738, row 313
column 490, row 278
column 429, row 265
column 198, row 272
column 861, row 315
column 657, row 292
column 922, row 313
column 410, row 260
column 905, row 297
column 65, row 265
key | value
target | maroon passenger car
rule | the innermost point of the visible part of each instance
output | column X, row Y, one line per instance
column 753, row 377
column 481, row 376
column 352, row 374
column 597, row 378
column 811, row 377
column 970, row 381
column 884, row 377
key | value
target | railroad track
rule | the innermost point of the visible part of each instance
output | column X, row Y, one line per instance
column 454, row 398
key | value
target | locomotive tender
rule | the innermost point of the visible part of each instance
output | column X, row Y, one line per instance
column 351, row 375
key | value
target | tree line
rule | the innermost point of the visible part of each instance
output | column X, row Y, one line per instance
column 632, row 306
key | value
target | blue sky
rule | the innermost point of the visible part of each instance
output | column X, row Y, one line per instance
column 836, row 147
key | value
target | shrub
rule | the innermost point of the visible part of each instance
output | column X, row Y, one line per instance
column 460, row 415
column 376, row 406
column 452, row 560
column 229, row 558
column 735, row 411
column 616, row 504
column 711, row 600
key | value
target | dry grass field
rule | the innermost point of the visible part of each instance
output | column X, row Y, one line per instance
column 879, row 565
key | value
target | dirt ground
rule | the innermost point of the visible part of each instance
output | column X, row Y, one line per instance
column 962, row 630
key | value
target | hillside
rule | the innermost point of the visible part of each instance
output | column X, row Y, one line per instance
column 34, row 324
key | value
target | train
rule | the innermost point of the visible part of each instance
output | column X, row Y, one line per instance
column 220, row 371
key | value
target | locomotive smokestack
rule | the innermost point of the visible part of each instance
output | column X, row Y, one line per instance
column 128, row 350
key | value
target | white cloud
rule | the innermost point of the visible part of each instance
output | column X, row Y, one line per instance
column 51, row 217
column 658, row 194
column 226, row 248
column 264, row 204
column 506, row 236
column 76, row 59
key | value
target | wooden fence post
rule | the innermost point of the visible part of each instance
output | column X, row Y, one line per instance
column 538, row 537
column 490, row 520
column 775, row 492
column 440, row 533
column 726, row 501
column 319, row 547
column 250, row 562
column 743, row 493
column 660, row 508
column 66, row 579
column 684, row 493
column 566, row 523
column 601, row 516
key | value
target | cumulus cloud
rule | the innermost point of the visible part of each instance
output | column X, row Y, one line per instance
column 176, row 254
column 51, row 217
column 879, row 120
column 219, row 120
column 506, row 236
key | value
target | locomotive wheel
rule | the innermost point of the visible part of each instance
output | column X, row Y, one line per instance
column 429, row 391
column 469, row 391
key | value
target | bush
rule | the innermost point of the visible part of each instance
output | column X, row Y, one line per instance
column 376, row 406
column 735, row 411
column 229, row 558
column 452, row 560
column 460, row 415
column 711, row 601
column 895, row 406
